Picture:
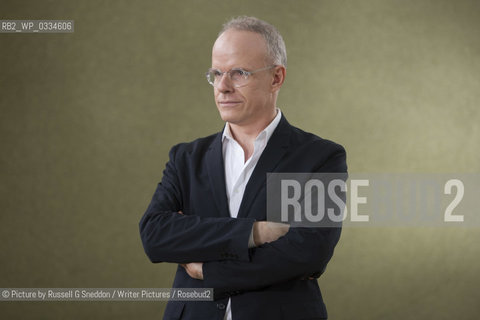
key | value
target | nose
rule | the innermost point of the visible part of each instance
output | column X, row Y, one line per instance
column 225, row 84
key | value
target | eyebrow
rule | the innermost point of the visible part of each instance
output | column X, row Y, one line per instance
column 243, row 68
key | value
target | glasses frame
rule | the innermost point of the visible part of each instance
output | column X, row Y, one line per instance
column 246, row 73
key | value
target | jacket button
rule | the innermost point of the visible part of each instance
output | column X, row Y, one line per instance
column 220, row 306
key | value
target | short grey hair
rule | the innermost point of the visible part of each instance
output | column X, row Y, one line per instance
column 276, row 49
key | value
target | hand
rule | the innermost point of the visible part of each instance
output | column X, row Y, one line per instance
column 266, row 231
column 194, row 269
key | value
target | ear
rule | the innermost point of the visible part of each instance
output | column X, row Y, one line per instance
column 278, row 77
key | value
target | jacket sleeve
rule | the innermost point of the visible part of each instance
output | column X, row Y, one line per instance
column 169, row 236
column 301, row 253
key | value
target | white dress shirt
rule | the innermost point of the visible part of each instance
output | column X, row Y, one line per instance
column 238, row 172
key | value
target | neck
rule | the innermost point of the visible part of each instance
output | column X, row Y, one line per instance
column 245, row 135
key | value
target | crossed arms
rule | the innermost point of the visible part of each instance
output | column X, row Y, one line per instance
column 262, row 232
column 216, row 249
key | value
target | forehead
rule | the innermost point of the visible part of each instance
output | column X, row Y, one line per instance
column 239, row 49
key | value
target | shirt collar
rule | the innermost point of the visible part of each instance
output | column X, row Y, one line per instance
column 267, row 132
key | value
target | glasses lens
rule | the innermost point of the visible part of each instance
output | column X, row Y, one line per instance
column 239, row 77
column 211, row 77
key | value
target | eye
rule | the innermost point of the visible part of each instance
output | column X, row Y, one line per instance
column 242, row 72
column 216, row 73
column 238, row 74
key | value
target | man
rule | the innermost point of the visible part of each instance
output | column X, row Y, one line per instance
column 208, row 213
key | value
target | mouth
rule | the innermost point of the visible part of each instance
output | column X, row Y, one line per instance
column 228, row 103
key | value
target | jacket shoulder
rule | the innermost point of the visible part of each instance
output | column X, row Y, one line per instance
column 196, row 147
column 323, row 155
column 301, row 137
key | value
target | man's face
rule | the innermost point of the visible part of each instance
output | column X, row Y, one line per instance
column 251, row 105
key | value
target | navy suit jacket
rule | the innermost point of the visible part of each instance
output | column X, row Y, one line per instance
column 266, row 282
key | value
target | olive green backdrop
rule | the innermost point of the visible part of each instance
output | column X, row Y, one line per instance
column 87, row 120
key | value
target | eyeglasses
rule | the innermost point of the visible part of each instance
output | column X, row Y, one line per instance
column 238, row 76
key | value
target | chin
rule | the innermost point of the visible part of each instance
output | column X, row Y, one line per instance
column 228, row 116
column 228, row 119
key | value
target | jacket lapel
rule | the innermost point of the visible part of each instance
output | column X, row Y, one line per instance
column 276, row 148
column 216, row 175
